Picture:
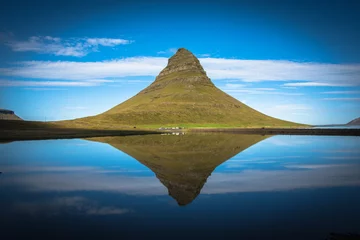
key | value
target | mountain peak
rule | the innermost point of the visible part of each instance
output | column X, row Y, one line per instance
column 184, row 57
column 182, row 67
column 183, row 52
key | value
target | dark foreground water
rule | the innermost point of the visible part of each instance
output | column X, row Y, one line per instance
column 180, row 187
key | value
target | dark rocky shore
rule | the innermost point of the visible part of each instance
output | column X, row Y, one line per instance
column 25, row 130
column 13, row 130
column 285, row 131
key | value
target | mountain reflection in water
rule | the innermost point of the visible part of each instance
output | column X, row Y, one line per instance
column 229, row 186
column 182, row 163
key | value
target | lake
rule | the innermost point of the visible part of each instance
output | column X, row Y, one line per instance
column 190, row 186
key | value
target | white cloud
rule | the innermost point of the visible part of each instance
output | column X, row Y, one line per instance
column 276, row 70
column 342, row 92
column 234, row 86
column 315, row 84
column 300, row 114
column 289, row 87
column 11, row 83
column 286, row 110
column 342, row 99
column 314, row 74
column 317, row 166
column 292, row 107
column 137, row 81
column 76, row 47
column 67, row 70
column 262, row 91
column 205, row 55
column 168, row 51
column 44, row 89
column 107, row 42
column 342, row 158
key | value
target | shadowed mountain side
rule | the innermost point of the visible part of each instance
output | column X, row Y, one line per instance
column 182, row 163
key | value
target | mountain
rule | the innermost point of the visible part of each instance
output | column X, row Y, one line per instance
column 8, row 115
column 182, row 163
column 182, row 95
column 356, row 121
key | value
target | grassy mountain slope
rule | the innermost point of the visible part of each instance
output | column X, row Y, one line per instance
column 182, row 95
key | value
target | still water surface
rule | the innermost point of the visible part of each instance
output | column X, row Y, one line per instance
column 176, row 187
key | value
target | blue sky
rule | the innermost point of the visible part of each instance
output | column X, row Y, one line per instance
column 294, row 60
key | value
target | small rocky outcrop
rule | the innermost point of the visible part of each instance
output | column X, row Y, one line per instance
column 8, row 115
column 356, row 121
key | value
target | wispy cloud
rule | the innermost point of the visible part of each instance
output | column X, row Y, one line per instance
column 342, row 158
column 44, row 89
column 316, row 84
column 316, row 166
column 311, row 74
column 76, row 47
column 137, row 81
column 168, row 51
column 262, row 91
column 292, row 107
column 341, row 99
column 285, row 87
column 204, row 55
column 234, row 86
column 342, row 92
column 300, row 114
column 69, row 70
column 11, row 83
column 285, row 110
column 276, row 70
column 107, row 42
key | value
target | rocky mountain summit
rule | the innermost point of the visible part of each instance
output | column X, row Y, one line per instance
column 183, row 68
column 8, row 115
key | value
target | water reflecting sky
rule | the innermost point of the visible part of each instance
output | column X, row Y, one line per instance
column 218, row 185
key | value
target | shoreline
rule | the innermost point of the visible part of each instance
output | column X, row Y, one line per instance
column 46, row 134
column 284, row 131
column 27, row 130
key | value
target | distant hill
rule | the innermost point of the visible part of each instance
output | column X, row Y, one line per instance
column 8, row 115
column 356, row 121
column 181, row 95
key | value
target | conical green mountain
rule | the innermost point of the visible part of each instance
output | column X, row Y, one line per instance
column 182, row 163
column 183, row 95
